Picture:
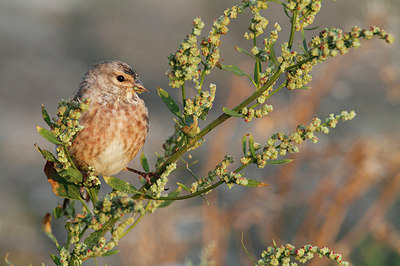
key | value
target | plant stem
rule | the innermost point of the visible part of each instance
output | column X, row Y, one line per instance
column 137, row 220
column 292, row 29
column 301, row 62
column 272, row 93
column 192, row 195
column 183, row 96
column 203, row 74
column 84, row 205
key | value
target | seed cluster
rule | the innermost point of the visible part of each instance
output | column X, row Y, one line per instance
column 115, row 204
column 199, row 105
column 282, row 255
column 281, row 144
column 185, row 62
column 329, row 43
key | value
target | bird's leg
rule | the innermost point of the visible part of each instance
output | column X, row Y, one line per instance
column 146, row 176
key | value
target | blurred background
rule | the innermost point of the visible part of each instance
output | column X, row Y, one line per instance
column 342, row 192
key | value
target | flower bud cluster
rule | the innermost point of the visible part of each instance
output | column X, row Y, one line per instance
column 332, row 40
column 329, row 43
column 90, row 179
column 258, row 24
column 307, row 9
column 66, row 126
column 169, row 145
column 210, row 45
column 158, row 187
column 299, row 76
column 234, row 178
column 74, row 231
column 83, row 251
column 271, row 40
column 250, row 113
column 64, row 256
column 220, row 170
column 185, row 62
column 118, row 231
column 199, row 105
column 114, row 204
column 282, row 144
column 282, row 255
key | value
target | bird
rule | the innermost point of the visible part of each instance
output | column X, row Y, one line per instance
column 115, row 124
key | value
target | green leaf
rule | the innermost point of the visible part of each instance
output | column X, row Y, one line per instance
column 60, row 186
column 121, row 185
column 235, row 70
column 305, row 88
column 244, row 143
column 48, row 135
column 110, row 252
column 257, row 70
column 46, row 117
column 169, row 102
column 46, row 154
column 58, row 212
column 312, row 28
column 303, row 36
column 272, row 55
column 251, row 145
column 285, row 9
column 71, row 175
column 241, row 50
column 231, row 112
column 144, row 162
column 277, row 162
column 174, row 193
column 255, row 183
column 183, row 186
column 93, row 194
column 55, row 259
column 247, row 252
column 93, row 238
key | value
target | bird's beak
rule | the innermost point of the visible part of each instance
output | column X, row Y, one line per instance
column 138, row 87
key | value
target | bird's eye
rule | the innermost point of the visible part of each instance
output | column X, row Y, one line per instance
column 120, row 78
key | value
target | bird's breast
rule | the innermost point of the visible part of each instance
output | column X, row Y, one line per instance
column 113, row 133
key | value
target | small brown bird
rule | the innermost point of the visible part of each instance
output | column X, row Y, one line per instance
column 116, row 122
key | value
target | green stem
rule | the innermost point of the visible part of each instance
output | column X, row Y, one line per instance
column 203, row 74
column 137, row 220
column 183, row 96
column 300, row 63
column 84, row 205
column 192, row 195
column 272, row 93
column 276, row 1
column 293, row 29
